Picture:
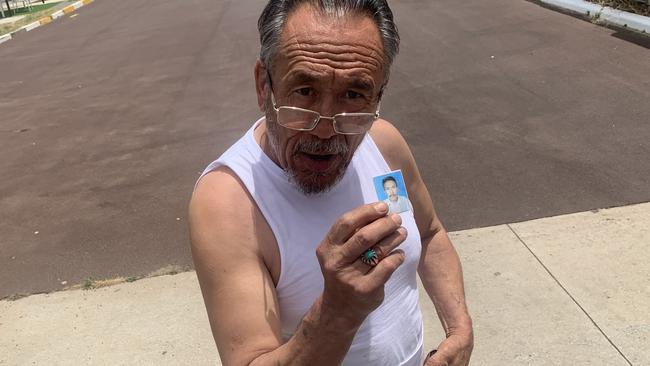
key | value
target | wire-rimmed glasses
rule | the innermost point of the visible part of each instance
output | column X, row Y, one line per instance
column 301, row 119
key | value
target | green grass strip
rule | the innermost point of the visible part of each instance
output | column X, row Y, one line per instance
column 25, row 11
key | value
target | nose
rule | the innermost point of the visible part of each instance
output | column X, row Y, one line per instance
column 324, row 128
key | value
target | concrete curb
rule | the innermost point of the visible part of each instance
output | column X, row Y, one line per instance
column 603, row 14
column 5, row 37
column 585, row 8
column 625, row 19
column 48, row 19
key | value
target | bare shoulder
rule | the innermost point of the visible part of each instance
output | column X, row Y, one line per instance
column 392, row 146
column 220, row 204
column 221, row 208
column 217, row 191
column 391, row 143
column 233, row 257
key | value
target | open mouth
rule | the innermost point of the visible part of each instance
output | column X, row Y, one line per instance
column 319, row 162
column 318, row 157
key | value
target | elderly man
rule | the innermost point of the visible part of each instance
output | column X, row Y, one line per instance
column 298, row 262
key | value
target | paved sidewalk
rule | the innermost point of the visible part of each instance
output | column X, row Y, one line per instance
column 566, row 290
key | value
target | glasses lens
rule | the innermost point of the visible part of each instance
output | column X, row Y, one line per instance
column 354, row 124
column 296, row 119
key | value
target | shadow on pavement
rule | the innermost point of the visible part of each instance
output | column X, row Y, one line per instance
column 632, row 37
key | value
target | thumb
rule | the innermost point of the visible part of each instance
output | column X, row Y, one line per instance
column 438, row 358
column 432, row 360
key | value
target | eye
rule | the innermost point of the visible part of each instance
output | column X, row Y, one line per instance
column 351, row 94
column 305, row 92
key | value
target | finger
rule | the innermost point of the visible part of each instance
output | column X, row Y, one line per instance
column 351, row 221
column 379, row 274
column 383, row 248
column 441, row 357
column 430, row 361
column 451, row 351
column 436, row 361
column 369, row 236
column 430, row 354
column 391, row 242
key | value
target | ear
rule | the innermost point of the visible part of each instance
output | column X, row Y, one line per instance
column 383, row 87
column 260, row 83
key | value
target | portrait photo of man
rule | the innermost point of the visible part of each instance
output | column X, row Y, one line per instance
column 391, row 190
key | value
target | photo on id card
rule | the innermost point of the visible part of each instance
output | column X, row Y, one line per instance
column 391, row 189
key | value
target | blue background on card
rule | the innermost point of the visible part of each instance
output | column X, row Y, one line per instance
column 379, row 188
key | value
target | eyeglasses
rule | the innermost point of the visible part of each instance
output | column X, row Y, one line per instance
column 300, row 119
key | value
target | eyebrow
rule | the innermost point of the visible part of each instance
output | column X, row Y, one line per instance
column 302, row 77
column 362, row 84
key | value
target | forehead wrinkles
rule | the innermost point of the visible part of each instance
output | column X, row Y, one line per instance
column 333, row 55
column 347, row 41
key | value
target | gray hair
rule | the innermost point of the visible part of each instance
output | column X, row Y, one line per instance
column 276, row 12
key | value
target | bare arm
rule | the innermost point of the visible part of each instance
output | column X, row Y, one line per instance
column 231, row 246
column 440, row 268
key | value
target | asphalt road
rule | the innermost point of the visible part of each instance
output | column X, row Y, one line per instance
column 513, row 112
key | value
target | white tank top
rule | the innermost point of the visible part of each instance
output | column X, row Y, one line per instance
column 392, row 334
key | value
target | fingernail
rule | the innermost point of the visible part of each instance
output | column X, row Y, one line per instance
column 381, row 207
column 397, row 218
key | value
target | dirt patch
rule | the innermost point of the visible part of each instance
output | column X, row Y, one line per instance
column 91, row 284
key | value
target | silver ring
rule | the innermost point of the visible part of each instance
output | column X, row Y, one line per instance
column 370, row 257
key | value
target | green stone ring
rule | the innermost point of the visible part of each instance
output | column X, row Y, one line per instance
column 370, row 257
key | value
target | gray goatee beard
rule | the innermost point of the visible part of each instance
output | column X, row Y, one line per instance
column 312, row 183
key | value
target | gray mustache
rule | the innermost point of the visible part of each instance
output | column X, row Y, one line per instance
column 316, row 146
